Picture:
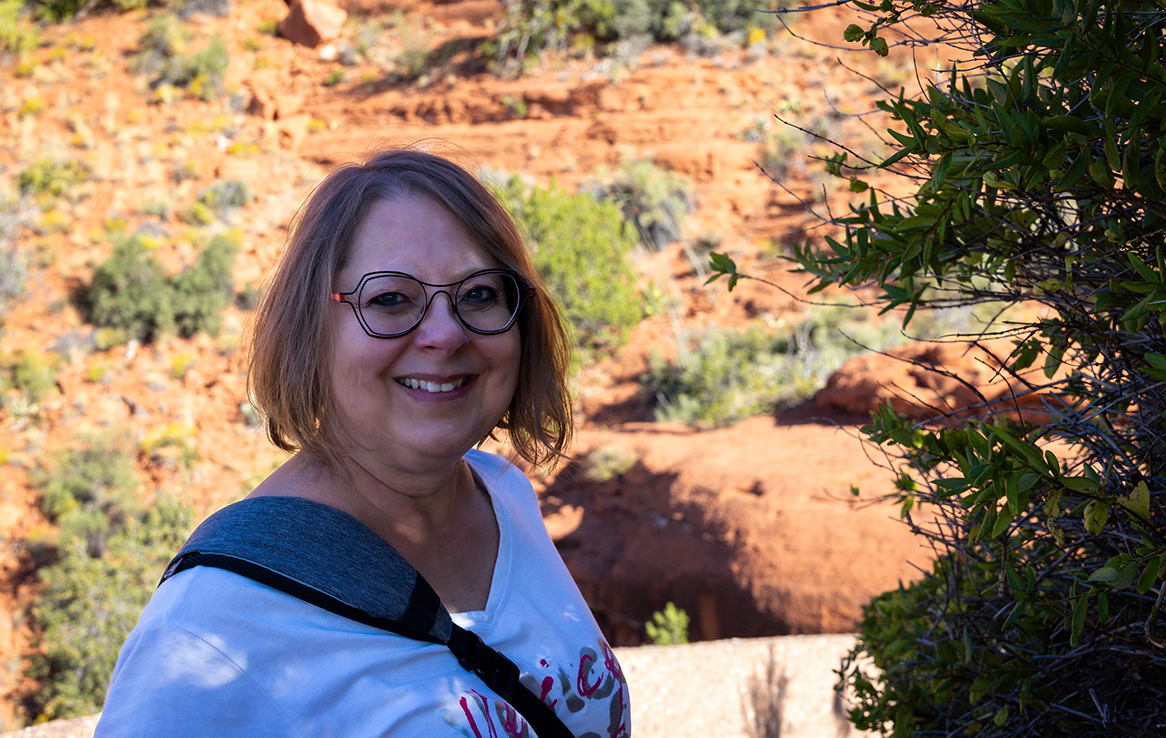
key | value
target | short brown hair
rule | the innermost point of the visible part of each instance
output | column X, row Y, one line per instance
column 289, row 376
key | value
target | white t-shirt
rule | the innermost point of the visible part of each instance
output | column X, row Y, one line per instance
column 216, row 654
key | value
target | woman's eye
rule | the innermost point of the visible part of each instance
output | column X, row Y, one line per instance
column 388, row 301
column 479, row 295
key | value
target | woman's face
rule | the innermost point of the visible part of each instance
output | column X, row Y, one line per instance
column 466, row 380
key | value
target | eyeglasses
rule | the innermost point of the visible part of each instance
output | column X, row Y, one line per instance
column 393, row 304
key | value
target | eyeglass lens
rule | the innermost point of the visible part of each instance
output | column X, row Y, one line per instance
column 395, row 303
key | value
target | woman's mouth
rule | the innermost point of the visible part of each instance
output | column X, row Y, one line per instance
column 433, row 387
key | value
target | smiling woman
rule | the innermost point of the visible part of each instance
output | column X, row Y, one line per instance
column 403, row 326
column 292, row 334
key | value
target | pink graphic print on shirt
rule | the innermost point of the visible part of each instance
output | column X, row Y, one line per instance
column 594, row 682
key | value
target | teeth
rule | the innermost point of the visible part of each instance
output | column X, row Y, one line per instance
column 412, row 383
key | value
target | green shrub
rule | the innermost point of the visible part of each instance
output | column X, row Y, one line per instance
column 159, row 207
column 184, row 170
column 1035, row 172
column 58, row 11
column 164, row 39
column 163, row 56
column 13, row 261
column 672, row 20
column 17, row 34
column 581, row 247
column 226, row 194
column 97, row 477
column 735, row 374
column 204, row 290
column 609, row 462
column 918, row 668
column 668, row 627
column 414, row 42
column 51, row 177
column 13, row 272
column 530, row 26
column 656, row 200
column 202, row 72
column 197, row 213
column 55, row 11
column 129, row 292
column 731, row 375
column 32, row 373
column 27, row 376
column 88, row 605
column 174, row 441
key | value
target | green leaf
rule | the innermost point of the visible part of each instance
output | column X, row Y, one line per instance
column 980, row 442
column 1137, row 502
column 1014, row 580
column 1102, row 175
column 1053, row 360
column 1004, row 162
column 1145, row 270
column 899, row 155
column 1003, row 519
column 1131, row 161
column 1077, row 620
column 723, row 265
column 1146, row 107
column 1001, row 718
column 1081, row 485
column 1057, row 532
column 1149, row 577
column 1027, row 481
column 853, row 33
column 942, row 167
column 952, row 487
column 1029, row 453
column 1095, row 516
column 1017, row 611
column 1118, row 94
column 1103, row 574
column 1073, row 124
column 1112, row 157
column 1013, row 494
column 1024, row 354
column 1067, row 51
column 1126, row 576
column 1080, row 166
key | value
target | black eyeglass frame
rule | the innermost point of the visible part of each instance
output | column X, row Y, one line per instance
column 525, row 292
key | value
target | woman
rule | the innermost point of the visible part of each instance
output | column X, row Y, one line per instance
column 403, row 326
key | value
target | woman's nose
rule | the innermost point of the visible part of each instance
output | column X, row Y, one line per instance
column 441, row 326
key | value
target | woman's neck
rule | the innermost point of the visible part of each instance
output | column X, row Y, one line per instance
column 417, row 514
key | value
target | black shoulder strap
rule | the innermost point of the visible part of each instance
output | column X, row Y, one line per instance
column 330, row 559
